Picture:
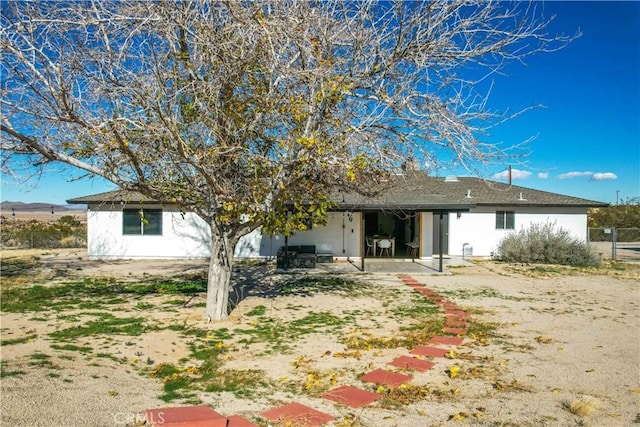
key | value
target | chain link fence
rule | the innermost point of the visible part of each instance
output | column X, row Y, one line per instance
column 27, row 239
column 621, row 244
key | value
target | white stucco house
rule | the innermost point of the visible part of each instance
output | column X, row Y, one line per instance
column 442, row 215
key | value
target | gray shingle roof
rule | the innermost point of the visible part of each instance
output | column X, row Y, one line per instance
column 415, row 190
column 115, row 196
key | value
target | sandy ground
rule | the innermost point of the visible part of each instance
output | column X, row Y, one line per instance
column 561, row 340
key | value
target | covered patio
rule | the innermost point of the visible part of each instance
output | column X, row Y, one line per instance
column 391, row 266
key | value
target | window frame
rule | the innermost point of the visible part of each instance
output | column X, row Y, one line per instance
column 149, row 223
column 505, row 220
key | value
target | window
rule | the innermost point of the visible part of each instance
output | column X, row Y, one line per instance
column 505, row 220
column 142, row 222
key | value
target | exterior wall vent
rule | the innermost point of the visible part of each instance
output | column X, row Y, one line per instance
column 451, row 178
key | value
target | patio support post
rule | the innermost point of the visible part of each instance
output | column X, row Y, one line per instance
column 441, row 238
column 363, row 249
column 286, row 253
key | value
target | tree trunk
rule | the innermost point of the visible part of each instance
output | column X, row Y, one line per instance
column 219, row 278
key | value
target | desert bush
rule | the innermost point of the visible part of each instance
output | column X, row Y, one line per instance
column 547, row 244
column 77, row 241
column 67, row 232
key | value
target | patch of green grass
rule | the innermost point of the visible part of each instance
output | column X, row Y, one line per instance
column 417, row 307
column 241, row 383
column 481, row 330
column 107, row 325
column 312, row 285
column 72, row 347
column 472, row 293
column 219, row 333
column 257, row 311
column 409, row 337
column 39, row 356
column 267, row 330
column 90, row 293
column 619, row 269
column 20, row 340
column 279, row 335
column 175, row 381
column 42, row 360
column 5, row 372
column 314, row 322
column 144, row 306
column 209, row 376
column 173, row 389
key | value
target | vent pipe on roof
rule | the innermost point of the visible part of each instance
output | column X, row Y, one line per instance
column 468, row 196
column 520, row 198
column 451, row 178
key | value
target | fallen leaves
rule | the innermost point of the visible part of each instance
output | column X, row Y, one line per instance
column 544, row 340
column 453, row 371
column 460, row 416
column 514, row 385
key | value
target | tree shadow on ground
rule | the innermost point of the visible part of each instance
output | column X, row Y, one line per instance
column 263, row 281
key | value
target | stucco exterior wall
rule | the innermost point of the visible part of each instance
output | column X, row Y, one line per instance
column 478, row 227
column 332, row 238
column 187, row 235
column 182, row 237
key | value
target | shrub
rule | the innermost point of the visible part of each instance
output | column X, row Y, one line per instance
column 67, row 232
column 547, row 244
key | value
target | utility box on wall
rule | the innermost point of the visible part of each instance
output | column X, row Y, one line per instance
column 467, row 251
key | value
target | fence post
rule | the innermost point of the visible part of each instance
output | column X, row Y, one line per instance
column 613, row 244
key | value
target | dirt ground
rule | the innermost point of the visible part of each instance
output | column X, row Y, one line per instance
column 565, row 352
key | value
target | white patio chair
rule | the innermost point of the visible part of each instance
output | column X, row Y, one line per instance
column 369, row 242
column 413, row 246
column 385, row 246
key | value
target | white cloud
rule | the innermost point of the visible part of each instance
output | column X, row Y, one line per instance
column 600, row 176
column 570, row 175
column 515, row 174
column 543, row 175
column 593, row 176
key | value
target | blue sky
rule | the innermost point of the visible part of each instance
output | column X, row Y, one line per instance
column 587, row 135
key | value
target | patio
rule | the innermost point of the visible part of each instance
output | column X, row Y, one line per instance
column 390, row 265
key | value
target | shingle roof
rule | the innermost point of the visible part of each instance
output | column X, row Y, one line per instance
column 115, row 196
column 415, row 190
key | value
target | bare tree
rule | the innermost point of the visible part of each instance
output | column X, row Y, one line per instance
column 241, row 111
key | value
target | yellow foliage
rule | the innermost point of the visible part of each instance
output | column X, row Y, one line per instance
column 460, row 416
column 453, row 371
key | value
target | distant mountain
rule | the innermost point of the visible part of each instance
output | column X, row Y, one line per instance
column 37, row 207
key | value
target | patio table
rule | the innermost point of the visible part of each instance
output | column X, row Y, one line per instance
column 391, row 239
